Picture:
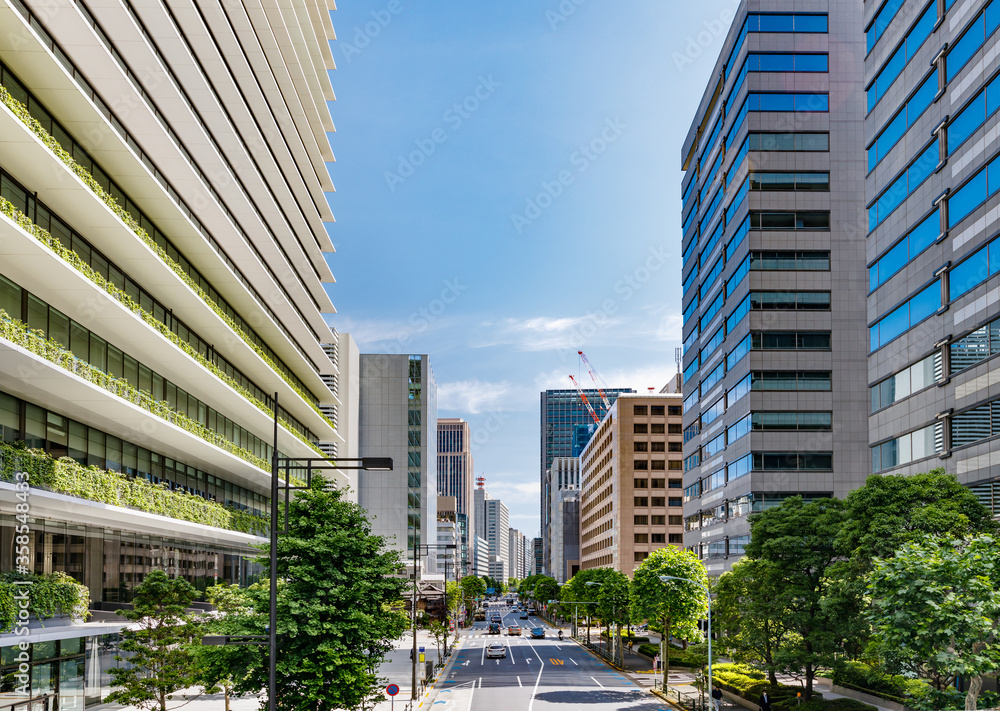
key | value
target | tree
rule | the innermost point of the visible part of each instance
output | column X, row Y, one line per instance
column 546, row 589
column 795, row 544
column 219, row 667
column 676, row 604
column 453, row 596
column 937, row 607
column 158, row 657
column 439, row 631
column 472, row 588
column 613, row 607
column 751, row 627
column 577, row 590
column 336, row 622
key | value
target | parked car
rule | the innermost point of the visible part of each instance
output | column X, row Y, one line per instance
column 514, row 630
column 538, row 633
column 494, row 628
column 496, row 651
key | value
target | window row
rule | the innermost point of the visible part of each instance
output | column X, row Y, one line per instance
column 916, row 377
column 905, row 316
column 975, row 347
column 657, row 484
column 815, row 181
column 648, row 520
column 919, row 169
column 95, row 351
column 974, row 269
column 881, row 21
column 973, row 115
column 654, row 501
column 898, row 60
column 778, row 62
column 976, row 424
column 961, row 50
column 651, row 428
column 790, row 300
column 20, row 93
column 656, row 465
column 61, row 436
column 894, row 130
column 905, row 250
column 908, row 448
column 789, row 261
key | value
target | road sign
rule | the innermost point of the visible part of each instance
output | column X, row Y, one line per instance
column 392, row 690
column 490, row 591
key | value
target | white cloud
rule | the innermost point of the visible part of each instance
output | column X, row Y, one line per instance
column 472, row 396
column 513, row 492
column 542, row 333
column 640, row 378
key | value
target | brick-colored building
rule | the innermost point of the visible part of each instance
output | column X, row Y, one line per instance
column 631, row 477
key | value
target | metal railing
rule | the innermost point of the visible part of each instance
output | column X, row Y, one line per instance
column 692, row 700
column 35, row 703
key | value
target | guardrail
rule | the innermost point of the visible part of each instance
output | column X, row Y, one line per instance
column 687, row 700
column 35, row 703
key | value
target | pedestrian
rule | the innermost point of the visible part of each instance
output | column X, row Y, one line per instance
column 765, row 701
column 631, row 641
column 656, row 663
column 717, row 698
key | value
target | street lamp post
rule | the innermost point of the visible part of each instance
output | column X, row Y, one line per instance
column 708, row 596
column 423, row 550
column 308, row 464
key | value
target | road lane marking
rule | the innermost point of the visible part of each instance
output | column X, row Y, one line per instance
column 574, row 661
column 541, row 668
column 598, row 683
column 519, row 681
column 556, row 661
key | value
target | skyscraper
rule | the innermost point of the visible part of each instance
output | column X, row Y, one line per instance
column 398, row 419
column 933, row 253
column 562, row 411
column 493, row 525
column 163, row 226
column 455, row 472
column 773, row 292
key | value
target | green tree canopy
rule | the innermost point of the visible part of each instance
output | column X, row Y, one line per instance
column 676, row 605
column 937, row 609
column 159, row 660
column 219, row 667
column 472, row 587
column 891, row 510
column 335, row 623
column 795, row 544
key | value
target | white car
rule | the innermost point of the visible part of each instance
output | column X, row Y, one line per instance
column 496, row 651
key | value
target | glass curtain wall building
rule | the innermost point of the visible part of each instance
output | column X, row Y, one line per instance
column 163, row 225
column 564, row 433
column 455, row 470
column 932, row 92
column 773, row 237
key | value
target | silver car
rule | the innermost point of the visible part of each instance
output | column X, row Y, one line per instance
column 496, row 651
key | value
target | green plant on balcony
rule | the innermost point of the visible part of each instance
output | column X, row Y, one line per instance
column 22, row 113
column 48, row 596
column 66, row 476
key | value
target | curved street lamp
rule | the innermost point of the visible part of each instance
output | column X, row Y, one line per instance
column 708, row 596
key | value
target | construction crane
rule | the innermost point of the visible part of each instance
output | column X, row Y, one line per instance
column 596, row 378
column 583, row 395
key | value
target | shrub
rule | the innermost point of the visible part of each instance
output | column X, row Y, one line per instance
column 678, row 657
column 864, row 677
column 815, row 704
column 48, row 596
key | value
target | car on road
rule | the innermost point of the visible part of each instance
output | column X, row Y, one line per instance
column 514, row 630
column 538, row 633
column 494, row 628
column 531, row 611
column 496, row 651
column 524, row 615
column 497, row 619
column 480, row 616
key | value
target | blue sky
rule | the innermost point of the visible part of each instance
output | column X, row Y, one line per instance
column 508, row 193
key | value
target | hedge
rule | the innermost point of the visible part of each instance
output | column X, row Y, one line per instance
column 841, row 704
column 678, row 657
column 48, row 596
column 22, row 113
column 863, row 677
column 66, row 476
column 749, row 683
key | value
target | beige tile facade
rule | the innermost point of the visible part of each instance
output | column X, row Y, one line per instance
column 632, row 483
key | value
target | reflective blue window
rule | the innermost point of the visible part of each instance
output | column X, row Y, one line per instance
column 741, row 234
column 689, row 251
column 738, row 276
column 738, row 353
column 712, row 242
column 737, row 162
column 911, row 111
column 903, row 54
column 690, row 216
column 689, row 280
column 962, row 49
column 712, row 278
column 968, row 197
column 714, row 412
column 713, row 343
column 737, row 123
column 738, row 391
column 974, row 115
column 710, row 141
column 712, row 378
column 741, row 467
column 787, row 102
column 974, row 270
column 738, row 430
column 691, row 340
column 691, row 369
column 765, row 22
column 713, row 206
column 691, row 308
column 738, row 314
column 738, row 199
column 905, row 317
column 711, row 176
column 908, row 181
column 881, row 21
column 919, row 238
column 712, row 309
column 689, row 191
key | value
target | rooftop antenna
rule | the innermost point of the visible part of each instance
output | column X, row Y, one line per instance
column 679, row 357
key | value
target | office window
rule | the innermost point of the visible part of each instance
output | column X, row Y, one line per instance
column 640, row 428
column 659, row 520
column 789, row 261
column 800, row 220
column 640, row 538
column 638, row 409
column 657, row 501
column 657, row 484
column 641, row 483
column 656, row 410
column 640, row 464
column 640, row 501
column 790, row 300
column 641, row 446
column 640, row 520
column 789, row 142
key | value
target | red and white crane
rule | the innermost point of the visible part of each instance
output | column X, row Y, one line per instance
column 598, row 381
column 583, row 395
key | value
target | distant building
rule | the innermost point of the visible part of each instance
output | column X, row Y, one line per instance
column 398, row 419
column 449, row 533
column 632, row 488
column 455, row 474
column 518, row 551
column 536, row 545
column 493, row 524
column 561, row 412
column 481, row 557
column 563, row 482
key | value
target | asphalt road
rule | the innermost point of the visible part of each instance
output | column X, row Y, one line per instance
column 537, row 675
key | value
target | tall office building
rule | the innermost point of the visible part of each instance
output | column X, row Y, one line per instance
column 773, row 290
column 632, row 483
column 163, row 228
column 562, row 414
column 933, row 254
column 455, row 472
column 518, row 552
column 562, row 481
column 536, row 550
column 492, row 524
column 398, row 419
